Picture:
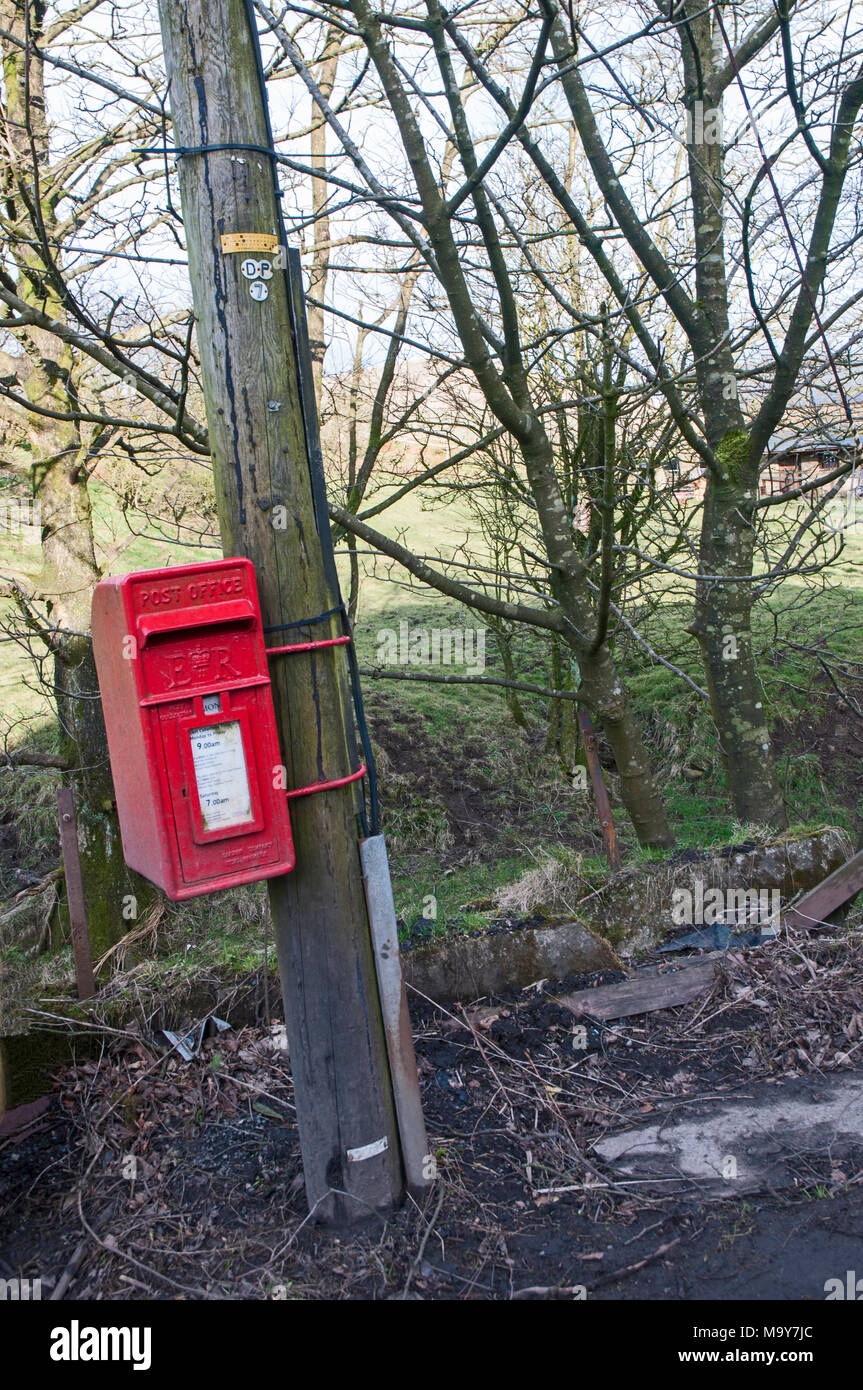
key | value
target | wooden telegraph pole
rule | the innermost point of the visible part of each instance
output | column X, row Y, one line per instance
column 348, row 1130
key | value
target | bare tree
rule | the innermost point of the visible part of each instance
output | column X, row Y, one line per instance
column 527, row 180
column 743, row 242
column 714, row 45
column 53, row 193
column 484, row 314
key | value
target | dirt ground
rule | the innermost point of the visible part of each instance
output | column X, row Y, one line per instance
column 213, row 1205
column 484, row 814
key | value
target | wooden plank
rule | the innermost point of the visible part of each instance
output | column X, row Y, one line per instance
column 22, row 1116
column 75, row 895
column 816, row 906
column 643, row 995
column 394, row 1006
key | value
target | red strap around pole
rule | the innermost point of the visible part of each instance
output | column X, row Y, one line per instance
column 313, row 647
column 308, row 646
column 327, row 786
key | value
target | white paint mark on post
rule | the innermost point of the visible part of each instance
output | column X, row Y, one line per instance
column 377, row 1146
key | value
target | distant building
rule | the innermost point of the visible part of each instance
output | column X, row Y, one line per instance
column 686, row 479
column 792, row 463
column 798, row 461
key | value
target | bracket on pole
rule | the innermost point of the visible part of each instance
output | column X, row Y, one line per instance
column 248, row 241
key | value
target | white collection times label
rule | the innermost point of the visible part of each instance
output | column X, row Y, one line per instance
column 220, row 772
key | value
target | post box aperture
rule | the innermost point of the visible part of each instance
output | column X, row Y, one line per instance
column 191, row 730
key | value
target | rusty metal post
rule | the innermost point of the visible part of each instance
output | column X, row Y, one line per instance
column 75, row 894
column 600, row 791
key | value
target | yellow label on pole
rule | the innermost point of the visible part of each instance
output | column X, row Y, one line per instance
column 248, row 241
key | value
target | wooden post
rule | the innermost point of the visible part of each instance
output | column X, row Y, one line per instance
column 347, row 1122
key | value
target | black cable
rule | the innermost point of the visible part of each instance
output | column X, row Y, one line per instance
column 181, row 150
column 365, row 739
column 305, row 622
column 356, row 691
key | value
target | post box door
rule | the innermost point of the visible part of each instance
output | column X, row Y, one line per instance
column 220, row 798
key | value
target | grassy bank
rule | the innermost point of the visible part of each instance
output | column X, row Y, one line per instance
column 470, row 799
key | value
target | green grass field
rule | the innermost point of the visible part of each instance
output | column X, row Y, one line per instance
column 470, row 800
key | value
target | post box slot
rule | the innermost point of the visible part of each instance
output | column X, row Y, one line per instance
column 237, row 611
column 169, row 696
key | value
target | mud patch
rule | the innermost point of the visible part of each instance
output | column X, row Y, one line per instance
column 482, row 810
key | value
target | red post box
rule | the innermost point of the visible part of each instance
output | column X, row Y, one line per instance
column 191, row 730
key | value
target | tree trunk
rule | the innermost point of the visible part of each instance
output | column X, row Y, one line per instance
column 723, row 605
column 59, row 480
column 552, row 738
column 639, row 792
column 513, row 703
column 723, row 608
column 114, row 896
column 320, row 231
column 601, row 685
column 723, row 627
